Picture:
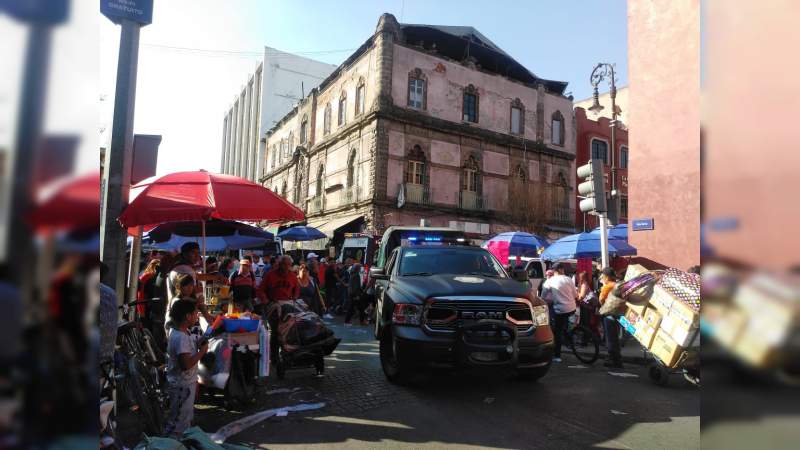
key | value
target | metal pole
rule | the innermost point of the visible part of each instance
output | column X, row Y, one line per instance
column 133, row 270
column 19, row 243
column 117, row 177
column 603, row 239
column 614, row 152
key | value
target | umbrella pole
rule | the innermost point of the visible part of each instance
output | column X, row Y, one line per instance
column 133, row 269
column 203, row 232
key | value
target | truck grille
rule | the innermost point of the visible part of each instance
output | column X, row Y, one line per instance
column 446, row 315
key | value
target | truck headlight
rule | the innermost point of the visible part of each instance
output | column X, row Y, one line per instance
column 541, row 315
column 407, row 314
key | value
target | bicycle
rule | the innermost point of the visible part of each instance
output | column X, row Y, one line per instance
column 139, row 364
column 584, row 342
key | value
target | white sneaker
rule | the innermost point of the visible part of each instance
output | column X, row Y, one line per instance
column 327, row 316
column 556, row 359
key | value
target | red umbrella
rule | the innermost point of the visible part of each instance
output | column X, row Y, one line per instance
column 201, row 196
column 69, row 204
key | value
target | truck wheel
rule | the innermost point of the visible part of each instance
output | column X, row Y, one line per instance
column 394, row 370
column 533, row 374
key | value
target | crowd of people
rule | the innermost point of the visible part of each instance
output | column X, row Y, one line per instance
column 327, row 287
column 567, row 296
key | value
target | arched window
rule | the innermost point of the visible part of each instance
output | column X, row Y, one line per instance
column 342, row 113
column 326, row 122
column 304, row 130
column 417, row 89
column 284, row 149
column 415, row 168
column 470, row 104
column 320, row 179
column 299, row 181
column 274, row 159
column 557, row 129
column 351, row 169
column 470, row 175
column 517, row 117
column 291, row 143
column 360, row 100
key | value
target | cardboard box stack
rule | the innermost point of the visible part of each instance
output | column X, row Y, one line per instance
column 668, row 323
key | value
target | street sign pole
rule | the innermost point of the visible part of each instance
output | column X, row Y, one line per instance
column 603, row 239
column 117, row 176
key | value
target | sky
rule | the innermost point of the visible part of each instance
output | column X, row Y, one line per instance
column 197, row 54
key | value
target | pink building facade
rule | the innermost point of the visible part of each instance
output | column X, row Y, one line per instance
column 408, row 129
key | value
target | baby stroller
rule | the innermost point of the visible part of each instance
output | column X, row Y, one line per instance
column 299, row 338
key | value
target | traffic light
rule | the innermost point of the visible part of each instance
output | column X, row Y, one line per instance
column 594, row 188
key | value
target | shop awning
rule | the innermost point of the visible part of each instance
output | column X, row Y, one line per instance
column 331, row 226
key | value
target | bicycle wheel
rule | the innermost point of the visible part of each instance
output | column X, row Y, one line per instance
column 155, row 355
column 140, row 384
column 584, row 344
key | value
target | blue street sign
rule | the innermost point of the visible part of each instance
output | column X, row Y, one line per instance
column 136, row 10
column 642, row 224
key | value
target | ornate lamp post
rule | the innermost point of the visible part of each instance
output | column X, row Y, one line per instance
column 603, row 71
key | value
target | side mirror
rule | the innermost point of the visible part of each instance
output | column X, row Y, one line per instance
column 520, row 275
column 377, row 273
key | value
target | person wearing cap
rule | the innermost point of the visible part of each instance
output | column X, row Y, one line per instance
column 560, row 293
column 610, row 325
column 186, row 264
column 243, row 285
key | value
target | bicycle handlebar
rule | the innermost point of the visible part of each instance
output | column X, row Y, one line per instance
column 140, row 302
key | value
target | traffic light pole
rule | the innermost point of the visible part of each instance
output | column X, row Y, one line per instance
column 603, row 239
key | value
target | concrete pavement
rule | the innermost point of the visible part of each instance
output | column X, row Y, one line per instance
column 574, row 406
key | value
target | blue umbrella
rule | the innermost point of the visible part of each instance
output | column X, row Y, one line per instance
column 301, row 233
column 585, row 245
column 514, row 243
column 617, row 231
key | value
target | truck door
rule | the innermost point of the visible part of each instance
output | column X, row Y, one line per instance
column 380, row 293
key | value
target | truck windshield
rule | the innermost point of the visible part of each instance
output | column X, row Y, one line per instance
column 421, row 261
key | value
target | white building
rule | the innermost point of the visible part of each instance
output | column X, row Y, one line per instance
column 279, row 82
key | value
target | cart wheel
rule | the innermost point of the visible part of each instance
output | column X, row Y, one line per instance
column 658, row 375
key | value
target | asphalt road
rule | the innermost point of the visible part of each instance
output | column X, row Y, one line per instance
column 574, row 406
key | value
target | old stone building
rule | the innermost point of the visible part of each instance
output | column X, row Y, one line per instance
column 428, row 122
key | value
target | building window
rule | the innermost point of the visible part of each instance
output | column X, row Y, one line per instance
column 623, row 157
column 517, row 117
column 623, row 207
column 326, row 121
column 557, row 129
column 415, row 169
column 298, row 188
column 274, row 159
column 470, row 104
column 417, row 85
column 320, row 179
column 351, row 169
column 600, row 150
column 342, row 109
column 284, row 149
column 360, row 97
column 471, row 172
column 304, row 130
column 291, row 144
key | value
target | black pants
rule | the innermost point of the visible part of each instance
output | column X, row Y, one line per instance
column 356, row 303
column 560, row 322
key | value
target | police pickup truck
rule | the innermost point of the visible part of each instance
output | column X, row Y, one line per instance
column 442, row 303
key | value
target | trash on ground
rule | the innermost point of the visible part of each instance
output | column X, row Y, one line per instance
column 246, row 422
column 624, row 374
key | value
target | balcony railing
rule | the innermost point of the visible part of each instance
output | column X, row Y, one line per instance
column 417, row 193
column 316, row 204
column 562, row 215
column 470, row 200
column 352, row 194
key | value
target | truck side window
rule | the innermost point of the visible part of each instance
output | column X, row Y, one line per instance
column 535, row 270
column 390, row 264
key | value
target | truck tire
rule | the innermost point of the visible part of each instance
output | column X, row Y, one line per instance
column 393, row 368
column 533, row 374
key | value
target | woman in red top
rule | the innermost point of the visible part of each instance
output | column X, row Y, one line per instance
column 144, row 291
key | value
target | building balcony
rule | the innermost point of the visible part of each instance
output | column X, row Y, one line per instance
column 316, row 204
column 562, row 215
column 352, row 194
column 470, row 200
column 416, row 193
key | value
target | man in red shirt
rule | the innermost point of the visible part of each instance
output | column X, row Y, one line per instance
column 279, row 284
